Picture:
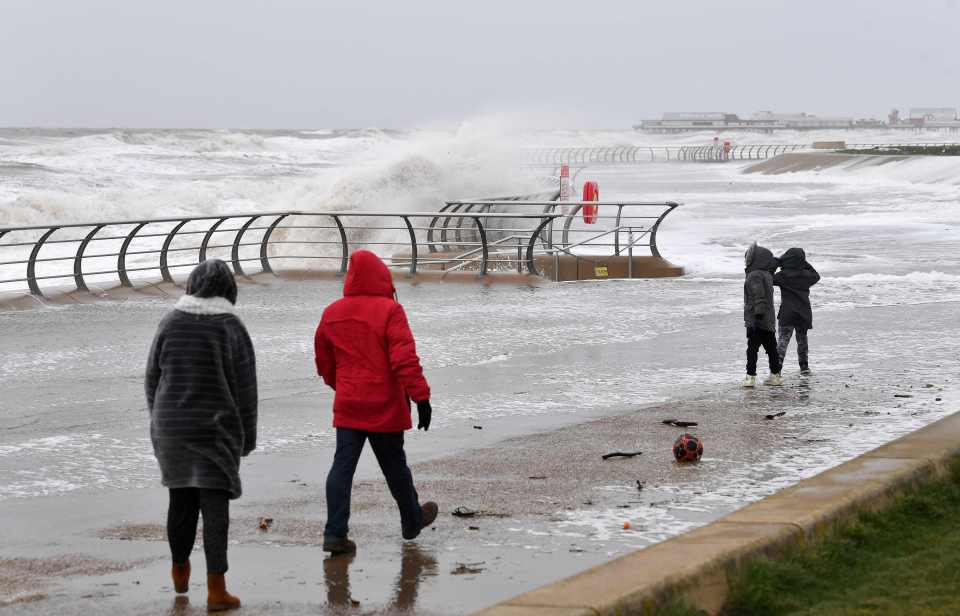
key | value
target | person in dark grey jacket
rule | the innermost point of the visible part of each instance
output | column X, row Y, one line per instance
column 758, row 313
column 201, row 386
column 795, row 278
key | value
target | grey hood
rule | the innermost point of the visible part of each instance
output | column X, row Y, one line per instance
column 759, row 258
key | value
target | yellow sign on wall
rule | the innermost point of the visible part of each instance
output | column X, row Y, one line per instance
column 600, row 271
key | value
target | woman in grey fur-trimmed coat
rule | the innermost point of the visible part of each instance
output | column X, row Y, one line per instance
column 201, row 387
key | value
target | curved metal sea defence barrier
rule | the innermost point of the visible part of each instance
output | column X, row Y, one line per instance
column 480, row 237
column 629, row 154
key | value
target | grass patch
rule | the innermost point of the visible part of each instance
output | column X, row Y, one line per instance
column 910, row 150
column 679, row 607
column 902, row 560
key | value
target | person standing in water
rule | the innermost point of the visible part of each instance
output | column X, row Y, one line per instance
column 201, row 386
column 758, row 314
column 364, row 350
column 795, row 278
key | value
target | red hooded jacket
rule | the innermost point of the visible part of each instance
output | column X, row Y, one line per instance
column 365, row 351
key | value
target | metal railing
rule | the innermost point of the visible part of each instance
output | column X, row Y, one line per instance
column 629, row 154
column 477, row 238
column 447, row 234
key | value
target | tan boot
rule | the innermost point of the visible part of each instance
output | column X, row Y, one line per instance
column 181, row 576
column 218, row 599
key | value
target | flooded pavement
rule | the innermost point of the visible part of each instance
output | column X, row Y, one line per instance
column 533, row 385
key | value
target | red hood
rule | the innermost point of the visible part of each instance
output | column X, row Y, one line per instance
column 368, row 275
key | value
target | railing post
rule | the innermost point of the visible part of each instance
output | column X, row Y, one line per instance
column 264, row 258
column 630, row 254
column 206, row 238
column 653, row 232
column 413, row 246
column 483, row 242
column 78, row 260
column 344, row 246
column 565, row 238
column 431, row 229
column 164, row 268
column 446, row 225
column 235, row 251
column 531, row 262
column 32, row 263
column 519, row 256
column 122, row 257
column 616, row 233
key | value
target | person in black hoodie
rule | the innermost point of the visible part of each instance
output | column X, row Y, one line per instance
column 795, row 278
column 758, row 313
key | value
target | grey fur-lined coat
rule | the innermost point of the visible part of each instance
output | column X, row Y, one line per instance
column 201, row 386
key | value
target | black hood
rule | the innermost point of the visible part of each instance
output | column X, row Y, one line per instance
column 793, row 259
column 212, row 278
column 760, row 258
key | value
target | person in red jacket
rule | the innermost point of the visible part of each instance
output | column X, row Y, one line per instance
column 365, row 351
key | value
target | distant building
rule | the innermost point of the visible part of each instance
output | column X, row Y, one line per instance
column 800, row 121
column 919, row 119
column 764, row 121
column 933, row 114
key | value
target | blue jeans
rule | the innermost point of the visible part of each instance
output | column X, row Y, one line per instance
column 388, row 447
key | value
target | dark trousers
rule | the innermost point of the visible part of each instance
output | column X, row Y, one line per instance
column 388, row 447
column 756, row 338
column 186, row 505
column 786, row 332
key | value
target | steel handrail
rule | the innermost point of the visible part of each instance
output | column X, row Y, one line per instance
column 122, row 270
column 475, row 217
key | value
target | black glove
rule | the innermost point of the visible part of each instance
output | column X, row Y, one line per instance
column 424, row 411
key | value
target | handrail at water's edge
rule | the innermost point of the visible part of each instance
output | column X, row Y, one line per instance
column 471, row 222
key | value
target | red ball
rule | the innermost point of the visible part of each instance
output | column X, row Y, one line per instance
column 687, row 448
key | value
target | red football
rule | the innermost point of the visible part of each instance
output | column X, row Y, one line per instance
column 687, row 448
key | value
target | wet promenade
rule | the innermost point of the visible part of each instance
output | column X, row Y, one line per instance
column 532, row 386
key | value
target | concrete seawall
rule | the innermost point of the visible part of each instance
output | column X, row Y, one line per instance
column 815, row 161
column 698, row 565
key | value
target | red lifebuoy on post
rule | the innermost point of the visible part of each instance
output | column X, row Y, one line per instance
column 591, row 192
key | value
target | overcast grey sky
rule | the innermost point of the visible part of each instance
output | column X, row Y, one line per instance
column 593, row 63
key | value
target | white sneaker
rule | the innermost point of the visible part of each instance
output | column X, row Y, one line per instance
column 774, row 380
column 750, row 381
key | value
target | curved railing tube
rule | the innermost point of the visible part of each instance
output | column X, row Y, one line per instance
column 264, row 257
column 531, row 259
column 122, row 257
column 571, row 215
column 432, row 227
column 78, row 259
column 654, row 250
column 483, row 242
column 206, row 239
column 413, row 246
column 235, row 251
column 164, row 252
column 446, row 224
column 32, row 264
column 344, row 245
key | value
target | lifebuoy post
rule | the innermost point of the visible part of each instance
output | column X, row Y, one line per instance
column 564, row 182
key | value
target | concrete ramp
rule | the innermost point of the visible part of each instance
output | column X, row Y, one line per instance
column 793, row 162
